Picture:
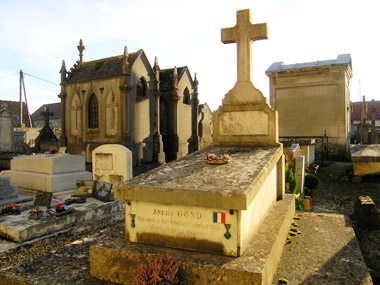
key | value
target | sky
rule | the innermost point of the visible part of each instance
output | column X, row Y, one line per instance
column 35, row 36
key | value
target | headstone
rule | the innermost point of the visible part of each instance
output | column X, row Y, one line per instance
column 111, row 163
column 7, row 190
column 300, row 173
column 6, row 130
column 48, row 172
column 9, row 193
column 46, row 140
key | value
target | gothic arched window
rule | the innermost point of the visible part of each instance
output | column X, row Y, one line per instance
column 186, row 96
column 93, row 112
column 141, row 87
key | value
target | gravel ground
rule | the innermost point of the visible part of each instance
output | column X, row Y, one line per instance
column 65, row 260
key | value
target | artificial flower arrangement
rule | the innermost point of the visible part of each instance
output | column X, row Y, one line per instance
column 59, row 207
column 35, row 214
column 11, row 209
column 212, row 158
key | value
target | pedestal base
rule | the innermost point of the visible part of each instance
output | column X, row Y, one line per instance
column 115, row 260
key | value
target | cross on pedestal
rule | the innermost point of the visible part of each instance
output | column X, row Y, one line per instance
column 46, row 115
column 243, row 34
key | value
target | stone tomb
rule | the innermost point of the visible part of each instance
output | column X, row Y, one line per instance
column 366, row 159
column 6, row 130
column 111, row 163
column 219, row 209
column 47, row 172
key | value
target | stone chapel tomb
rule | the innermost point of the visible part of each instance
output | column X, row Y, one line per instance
column 191, row 205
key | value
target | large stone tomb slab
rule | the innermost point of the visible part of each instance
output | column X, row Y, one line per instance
column 19, row 228
column 191, row 205
column 366, row 159
column 115, row 259
column 48, row 172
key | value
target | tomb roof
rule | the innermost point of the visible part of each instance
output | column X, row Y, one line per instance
column 101, row 68
column 342, row 59
column 166, row 77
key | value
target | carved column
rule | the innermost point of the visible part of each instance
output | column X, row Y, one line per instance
column 194, row 117
column 159, row 154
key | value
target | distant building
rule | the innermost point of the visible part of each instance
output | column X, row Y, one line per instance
column 54, row 121
column 312, row 98
column 356, row 112
column 14, row 109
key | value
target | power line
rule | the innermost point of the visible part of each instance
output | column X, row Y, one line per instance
column 2, row 76
column 41, row 79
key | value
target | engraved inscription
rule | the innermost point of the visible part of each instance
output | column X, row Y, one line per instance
column 103, row 161
column 244, row 123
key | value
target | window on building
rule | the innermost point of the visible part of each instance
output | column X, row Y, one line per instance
column 141, row 87
column 186, row 96
column 93, row 112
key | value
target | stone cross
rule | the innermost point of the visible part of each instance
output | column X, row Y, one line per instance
column 244, row 33
column 46, row 115
column 81, row 48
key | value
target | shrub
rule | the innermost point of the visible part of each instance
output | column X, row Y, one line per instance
column 161, row 270
column 311, row 181
column 290, row 180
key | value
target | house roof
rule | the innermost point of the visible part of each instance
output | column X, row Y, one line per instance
column 166, row 77
column 55, row 108
column 14, row 109
column 101, row 68
column 342, row 59
column 356, row 110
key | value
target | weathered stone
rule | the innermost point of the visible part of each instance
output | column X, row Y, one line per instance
column 19, row 228
column 6, row 130
column 6, row 189
column 313, row 98
column 366, row 212
column 115, row 259
column 47, row 172
column 366, row 159
column 111, row 163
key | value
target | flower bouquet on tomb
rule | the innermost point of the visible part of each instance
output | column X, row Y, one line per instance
column 217, row 159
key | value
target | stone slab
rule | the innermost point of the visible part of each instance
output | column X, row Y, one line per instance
column 114, row 260
column 46, row 182
column 20, row 229
column 20, row 198
column 49, row 163
column 327, row 252
column 189, row 181
column 365, row 153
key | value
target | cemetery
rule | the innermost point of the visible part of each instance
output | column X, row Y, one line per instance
column 249, row 207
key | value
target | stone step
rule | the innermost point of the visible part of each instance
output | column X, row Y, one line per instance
column 113, row 261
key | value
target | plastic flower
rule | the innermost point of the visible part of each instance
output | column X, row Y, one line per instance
column 59, row 205
column 33, row 211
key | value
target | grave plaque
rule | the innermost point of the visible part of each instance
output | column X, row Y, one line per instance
column 43, row 198
column 84, row 188
column 103, row 192
column 103, row 161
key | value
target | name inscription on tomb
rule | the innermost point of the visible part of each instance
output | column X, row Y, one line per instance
column 181, row 222
column 243, row 123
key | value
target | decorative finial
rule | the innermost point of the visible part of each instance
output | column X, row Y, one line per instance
column 63, row 71
column 125, row 58
column 175, row 77
column 81, row 48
